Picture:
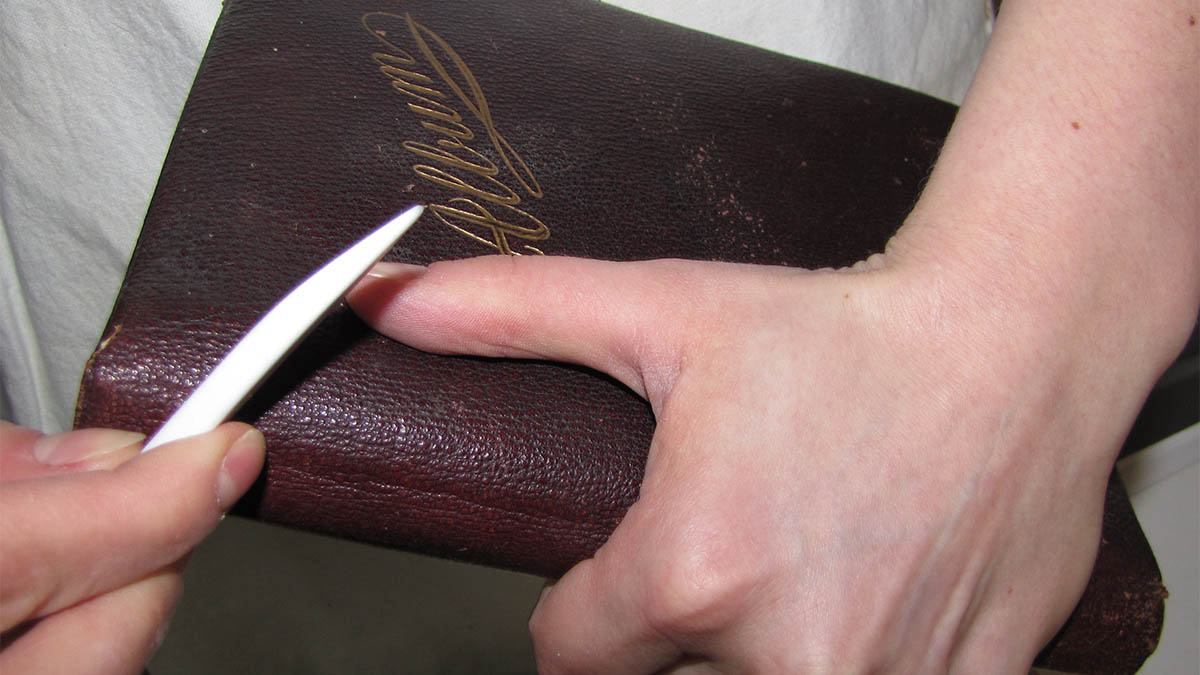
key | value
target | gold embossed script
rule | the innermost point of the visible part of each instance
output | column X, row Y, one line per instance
column 439, row 89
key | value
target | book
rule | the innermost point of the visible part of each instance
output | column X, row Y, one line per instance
column 528, row 128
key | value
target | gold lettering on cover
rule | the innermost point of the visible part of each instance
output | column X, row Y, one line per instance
column 487, row 208
column 442, row 153
column 413, row 84
column 476, row 102
column 445, row 178
column 460, row 218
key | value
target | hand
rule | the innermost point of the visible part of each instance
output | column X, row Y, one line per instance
column 898, row 467
column 93, row 537
column 852, row 471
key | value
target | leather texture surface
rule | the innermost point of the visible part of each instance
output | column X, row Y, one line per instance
column 570, row 127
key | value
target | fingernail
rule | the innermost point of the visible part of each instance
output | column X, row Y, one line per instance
column 76, row 446
column 395, row 270
column 375, row 291
column 240, row 467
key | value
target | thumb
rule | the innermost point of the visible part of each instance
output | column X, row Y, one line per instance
column 605, row 315
column 70, row 537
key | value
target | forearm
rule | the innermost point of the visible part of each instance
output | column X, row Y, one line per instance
column 1064, row 207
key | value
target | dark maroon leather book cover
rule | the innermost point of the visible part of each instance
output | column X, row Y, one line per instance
column 528, row 127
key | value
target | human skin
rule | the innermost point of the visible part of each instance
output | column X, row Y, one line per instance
column 898, row 466
column 93, row 538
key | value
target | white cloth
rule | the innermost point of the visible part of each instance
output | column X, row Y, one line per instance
column 89, row 96
column 933, row 46
column 90, row 93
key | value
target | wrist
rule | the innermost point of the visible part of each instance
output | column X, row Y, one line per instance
column 1063, row 211
column 1070, row 341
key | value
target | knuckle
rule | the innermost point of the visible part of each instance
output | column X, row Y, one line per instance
column 538, row 626
column 703, row 587
column 546, row 641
